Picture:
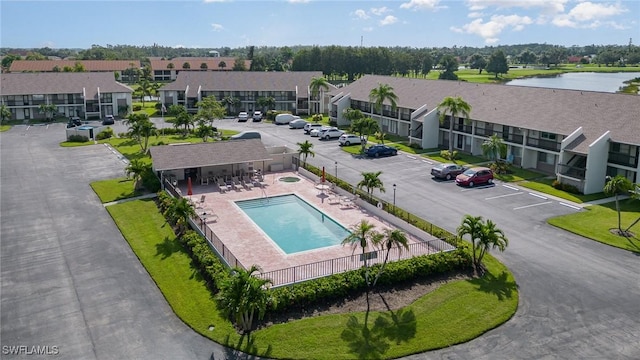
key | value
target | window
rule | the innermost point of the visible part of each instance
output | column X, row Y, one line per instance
column 548, row 136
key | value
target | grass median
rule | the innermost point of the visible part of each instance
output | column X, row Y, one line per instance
column 454, row 313
column 597, row 220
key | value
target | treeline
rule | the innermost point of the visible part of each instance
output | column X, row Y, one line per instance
column 350, row 61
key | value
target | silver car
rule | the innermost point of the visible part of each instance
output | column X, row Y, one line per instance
column 297, row 124
column 447, row 171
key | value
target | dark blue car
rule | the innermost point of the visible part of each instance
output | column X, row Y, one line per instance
column 381, row 150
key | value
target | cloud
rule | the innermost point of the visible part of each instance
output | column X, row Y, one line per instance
column 298, row 1
column 215, row 1
column 361, row 14
column 548, row 6
column 589, row 15
column 379, row 11
column 388, row 20
column 490, row 30
column 422, row 5
column 217, row 27
column 474, row 15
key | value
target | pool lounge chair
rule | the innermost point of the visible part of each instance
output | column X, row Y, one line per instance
column 236, row 183
column 223, row 186
column 247, row 182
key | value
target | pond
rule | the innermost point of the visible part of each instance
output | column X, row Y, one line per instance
column 588, row 81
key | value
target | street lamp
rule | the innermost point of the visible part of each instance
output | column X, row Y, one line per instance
column 394, row 198
column 336, row 164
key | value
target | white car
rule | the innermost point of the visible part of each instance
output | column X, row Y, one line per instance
column 257, row 115
column 311, row 126
column 316, row 131
column 285, row 118
column 297, row 124
column 330, row 133
column 349, row 139
column 243, row 116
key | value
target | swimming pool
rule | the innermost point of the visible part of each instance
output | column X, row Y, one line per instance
column 293, row 224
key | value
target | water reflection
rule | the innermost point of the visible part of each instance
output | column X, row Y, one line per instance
column 589, row 81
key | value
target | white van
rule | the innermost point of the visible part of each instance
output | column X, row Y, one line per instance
column 282, row 119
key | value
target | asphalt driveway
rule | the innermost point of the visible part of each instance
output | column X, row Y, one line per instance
column 70, row 280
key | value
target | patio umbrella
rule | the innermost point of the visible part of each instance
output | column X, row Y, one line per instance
column 189, row 187
column 323, row 174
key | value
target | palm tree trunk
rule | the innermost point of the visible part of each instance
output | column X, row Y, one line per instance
column 451, row 137
column 632, row 225
column 618, row 210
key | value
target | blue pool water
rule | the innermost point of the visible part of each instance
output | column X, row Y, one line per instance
column 293, row 224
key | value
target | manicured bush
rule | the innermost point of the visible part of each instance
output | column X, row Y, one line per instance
column 77, row 138
column 150, row 181
column 449, row 156
column 137, row 107
column 105, row 134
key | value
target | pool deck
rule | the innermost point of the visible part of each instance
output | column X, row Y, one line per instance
column 250, row 245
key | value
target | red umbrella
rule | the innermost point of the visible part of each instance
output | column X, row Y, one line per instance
column 323, row 174
column 189, row 187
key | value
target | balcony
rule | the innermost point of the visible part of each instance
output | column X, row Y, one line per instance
column 463, row 128
column 487, row 132
column 623, row 159
column 572, row 171
column 514, row 138
column 543, row 144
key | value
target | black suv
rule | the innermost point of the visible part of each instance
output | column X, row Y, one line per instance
column 74, row 121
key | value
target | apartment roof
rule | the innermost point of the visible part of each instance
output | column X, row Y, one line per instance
column 61, row 83
column 213, row 63
column 243, row 81
column 185, row 156
column 542, row 109
column 89, row 65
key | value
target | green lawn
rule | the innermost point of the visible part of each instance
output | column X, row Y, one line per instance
column 597, row 220
column 149, row 108
column 456, row 312
column 76, row 143
column 114, row 189
column 4, row 127
column 518, row 174
column 544, row 185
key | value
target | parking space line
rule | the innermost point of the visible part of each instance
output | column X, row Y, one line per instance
column 511, row 187
column 428, row 162
column 532, row 205
column 538, row 196
column 476, row 188
column 569, row 205
column 411, row 157
column 501, row 196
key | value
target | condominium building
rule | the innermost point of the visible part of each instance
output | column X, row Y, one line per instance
column 168, row 69
column 121, row 69
column 88, row 95
column 579, row 136
column 290, row 90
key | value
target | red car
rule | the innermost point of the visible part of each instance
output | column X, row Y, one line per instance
column 474, row 176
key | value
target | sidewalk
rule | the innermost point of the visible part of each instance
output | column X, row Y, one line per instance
column 145, row 196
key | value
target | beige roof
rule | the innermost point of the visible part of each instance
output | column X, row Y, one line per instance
column 543, row 109
column 243, row 81
column 89, row 65
column 213, row 63
column 60, row 83
column 170, row 157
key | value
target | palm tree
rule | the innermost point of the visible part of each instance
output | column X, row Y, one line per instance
column 493, row 147
column 384, row 92
column 484, row 236
column 141, row 129
column 47, row 110
column 361, row 234
column 242, row 295
column 204, row 66
column 179, row 212
column 392, row 238
column 471, row 225
column 5, row 113
column 371, row 181
column 364, row 127
column 635, row 194
column 204, row 130
column 317, row 86
column 266, row 103
column 490, row 238
column 145, row 88
column 210, row 109
column 135, row 171
column 305, row 150
column 618, row 185
column 453, row 106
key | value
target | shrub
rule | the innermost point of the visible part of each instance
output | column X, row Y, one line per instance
column 565, row 187
column 499, row 167
column 150, row 181
column 77, row 138
column 105, row 134
column 137, row 107
column 415, row 146
column 447, row 155
column 333, row 123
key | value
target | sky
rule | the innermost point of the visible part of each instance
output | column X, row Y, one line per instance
column 240, row 23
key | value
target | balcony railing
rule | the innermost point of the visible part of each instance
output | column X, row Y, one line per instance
column 487, row 132
column 572, row 171
column 623, row 159
column 514, row 138
column 543, row 144
column 463, row 128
